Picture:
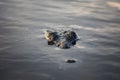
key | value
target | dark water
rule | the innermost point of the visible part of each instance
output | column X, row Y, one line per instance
column 24, row 54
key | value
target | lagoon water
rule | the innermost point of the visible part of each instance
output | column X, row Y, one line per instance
column 25, row 55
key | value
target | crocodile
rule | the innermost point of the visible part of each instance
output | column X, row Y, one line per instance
column 63, row 40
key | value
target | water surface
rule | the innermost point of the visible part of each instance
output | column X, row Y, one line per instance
column 25, row 55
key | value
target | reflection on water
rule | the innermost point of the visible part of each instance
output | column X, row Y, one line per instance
column 114, row 4
column 24, row 54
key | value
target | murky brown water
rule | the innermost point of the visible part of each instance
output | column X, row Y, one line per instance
column 24, row 54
